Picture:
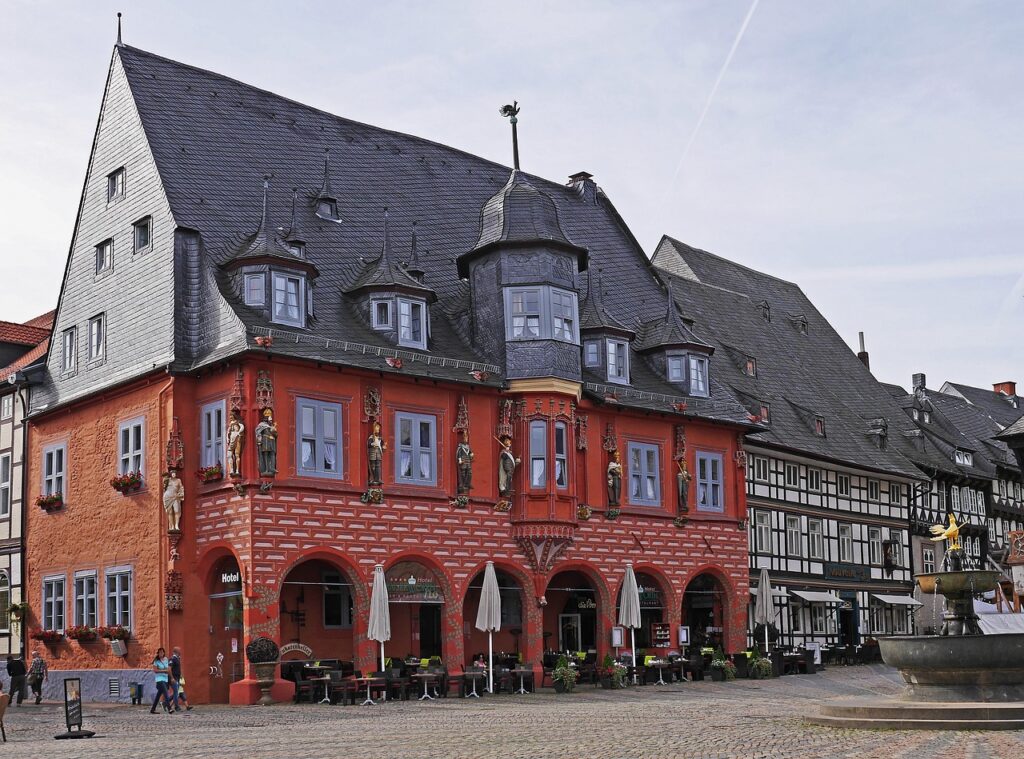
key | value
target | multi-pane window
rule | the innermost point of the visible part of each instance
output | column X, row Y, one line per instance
column 709, row 482
column 319, row 436
column 54, row 461
column 843, row 484
column 763, row 531
column 815, row 539
column 538, row 454
column 212, row 434
column 97, row 336
column 412, row 323
column 255, row 285
column 380, row 314
column 895, row 493
column 819, row 619
column 5, row 485
column 540, row 312
column 85, row 599
column 875, row 545
column 119, row 596
column 417, row 449
column 618, row 361
column 874, row 490
column 793, row 535
column 7, row 408
column 327, row 208
column 644, row 481
column 524, row 307
column 761, row 469
column 104, row 256
column 288, row 291
column 130, row 451
column 5, row 602
column 563, row 315
column 115, row 184
column 698, row 375
column 561, row 455
column 69, row 345
column 792, row 476
column 899, row 621
column 896, row 547
column 53, row 603
column 592, row 353
column 965, row 458
column 954, row 497
column 814, row 479
column 337, row 601
column 845, row 543
column 876, row 618
column 676, row 368
column 143, row 236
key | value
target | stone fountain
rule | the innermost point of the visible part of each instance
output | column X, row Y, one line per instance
column 959, row 679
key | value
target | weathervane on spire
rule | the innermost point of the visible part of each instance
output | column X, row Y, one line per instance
column 119, row 43
column 510, row 112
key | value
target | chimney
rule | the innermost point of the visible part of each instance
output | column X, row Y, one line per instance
column 1006, row 388
column 918, row 382
column 583, row 182
column 863, row 354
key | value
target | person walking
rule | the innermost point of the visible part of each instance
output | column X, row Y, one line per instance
column 177, row 682
column 38, row 673
column 16, row 670
column 161, row 672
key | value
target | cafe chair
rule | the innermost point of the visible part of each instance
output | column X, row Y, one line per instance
column 342, row 689
column 398, row 686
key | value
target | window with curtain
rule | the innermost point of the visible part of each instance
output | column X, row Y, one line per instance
column 538, row 454
column 288, row 291
column 119, row 597
column 561, row 455
column 211, row 424
column 709, row 482
column 319, row 438
column 131, row 454
column 416, row 452
column 644, row 480
column 412, row 330
column 85, row 599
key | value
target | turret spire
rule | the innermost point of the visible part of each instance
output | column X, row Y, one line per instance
column 511, row 112
column 413, row 267
column 119, row 43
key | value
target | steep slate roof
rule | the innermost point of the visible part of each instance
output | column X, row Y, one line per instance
column 800, row 375
column 212, row 137
column 384, row 273
column 1003, row 409
column 593, row 315
column 979, row 428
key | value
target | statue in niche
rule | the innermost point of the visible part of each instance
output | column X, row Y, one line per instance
column 614, row 479
column 236, row 441
column 507, row 464
column 464, row 463
column 266, row 444
column 683, row 478
column 174, row 496
column 375, row 447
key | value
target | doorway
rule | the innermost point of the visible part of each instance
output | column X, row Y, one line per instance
column 430, row 630
column 848, row 625
column 569, row 632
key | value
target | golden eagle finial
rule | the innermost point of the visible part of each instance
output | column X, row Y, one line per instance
column 950, row 534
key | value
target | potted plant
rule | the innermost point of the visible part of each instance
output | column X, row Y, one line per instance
column 263, row 653
column 722, row 668
column 18, row 612
column 760, row 668
column 81, row 633
column 47, row 637
column 126, row 483
column 564, row 676
column 210, row 473
column 611, row 674
column 51, row 502
column 114, row 632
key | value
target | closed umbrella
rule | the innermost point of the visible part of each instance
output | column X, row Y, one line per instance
column 379, row 628
column 629, row 609
column 488, row 617
column 764, row 605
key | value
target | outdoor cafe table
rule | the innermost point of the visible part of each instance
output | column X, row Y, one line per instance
column 324, row 678
column 661, row 666
column 522, row 672
column 425, row 676
column 371, row 681
column 474, row 675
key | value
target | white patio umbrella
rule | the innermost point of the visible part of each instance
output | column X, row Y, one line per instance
column 379, row 628
column 629, row 609
column 488, row 617
column 764, row 605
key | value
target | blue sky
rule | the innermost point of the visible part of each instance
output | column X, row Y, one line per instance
column 873, row 152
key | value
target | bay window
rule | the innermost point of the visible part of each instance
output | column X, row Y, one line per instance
column 541, row 312
column 288, row 293
column 412, row 323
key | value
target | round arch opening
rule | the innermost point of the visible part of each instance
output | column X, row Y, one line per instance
column 317, row 611
column 653, row 631
column 571, row 614
column 416, row 604
column 508, row 639
column 224, row 591
column 704, row 611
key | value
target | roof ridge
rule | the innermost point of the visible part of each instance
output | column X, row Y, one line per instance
column 729, row 261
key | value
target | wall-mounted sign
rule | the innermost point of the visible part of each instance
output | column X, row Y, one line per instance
column 289, row 648
column 586, row 604
column 412, row 583
column 684, row 635
column 228, row 577
column 618, row 636
column 837, row 571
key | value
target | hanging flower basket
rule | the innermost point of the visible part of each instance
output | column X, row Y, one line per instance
column 81, row 633
column 19, row 611
column 127, row 483
column 210, row 473
column 114, row 632
column 48, row 637
column 52, row 502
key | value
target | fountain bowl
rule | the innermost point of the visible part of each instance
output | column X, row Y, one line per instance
column 956, row 583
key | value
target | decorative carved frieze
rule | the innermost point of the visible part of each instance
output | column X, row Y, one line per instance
column 175, row 455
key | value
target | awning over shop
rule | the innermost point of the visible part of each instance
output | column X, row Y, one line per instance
column 818, row 597
column 897, row 600
column 775, row 592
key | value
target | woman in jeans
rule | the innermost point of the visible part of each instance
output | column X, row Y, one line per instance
column 161, row 668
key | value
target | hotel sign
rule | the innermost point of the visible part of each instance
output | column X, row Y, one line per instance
column 837, row 571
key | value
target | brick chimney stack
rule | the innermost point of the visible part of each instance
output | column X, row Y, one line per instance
column 863, row 354
column 583, row 182
column 1006, row 388
column 919, row 382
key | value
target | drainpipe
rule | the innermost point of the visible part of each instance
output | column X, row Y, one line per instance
column 162, row 430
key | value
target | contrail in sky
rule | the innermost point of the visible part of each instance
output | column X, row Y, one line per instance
column 711, row 97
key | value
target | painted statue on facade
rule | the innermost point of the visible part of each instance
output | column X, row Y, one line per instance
column 464, row 463
column 375, row 447
column 683, row 478
column 266, row 444
column 236, row 441
column 507, row 464
column 614, row 479
column 174, row 496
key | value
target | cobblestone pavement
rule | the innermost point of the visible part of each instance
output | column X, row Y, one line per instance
column 745, row 718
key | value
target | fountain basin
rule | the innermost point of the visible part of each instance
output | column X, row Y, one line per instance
column 956, row 583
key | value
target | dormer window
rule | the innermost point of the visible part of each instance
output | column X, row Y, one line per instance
column 289, row 292
column 380, row 314
column 592, row 353
column 676, row 368
column 541, row 313
column 766, row 413
column 750, row 369
column 914, row 414
column 965, row 458
column 297, row 249
column 618, row 361
column 327, row 208
column 927, row 416
column 766, row 310
column 115, row 185
column 699, row 376
column 412, row 323
column 819, row 426
column 255, row 285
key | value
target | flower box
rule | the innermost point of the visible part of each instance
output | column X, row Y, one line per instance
column 210, row 473
column 127, row 483
column 114, row 632
column 81, row 633
column 48, row 637
column 52, row 502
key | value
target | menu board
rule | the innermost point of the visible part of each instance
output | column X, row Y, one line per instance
column 661, row 634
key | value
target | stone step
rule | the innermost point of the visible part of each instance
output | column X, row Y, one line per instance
column 868, row 709
column 857, row 723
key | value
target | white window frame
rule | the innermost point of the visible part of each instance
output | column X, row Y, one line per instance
column 875, row 546
column 954, row 497
column 5, row 485
column 874, row 491
column 675, row 368
column 54, row 603
column 699, row 367
column 815, row 539
column 899, row 621
column 761, row 469
column 81, row 613
column 7, row 407
column 813, row 479
column 121, row 595
column 144, row 223
column 97, row 347
column 843, row 485
column 845, row 532
column 300, row 306
column 617, row 356
column 414, row 449
column 104, row 256
column 5, row 601
column 116, row 182
column 69, row 350
column 710, row 489
column 792, row 475
column 320, row 438
column 544, row 313
column 132, row 458
column 896, row 493
column 538, row 454
column 406, row 308
column 793, row 536
column 819, row 619
column 251, row 298
column 375, row 321
column 563, row 316
column 763, row 531
column 561, row 455
column 927, row 559
column 211, row 440
column 55, row 480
